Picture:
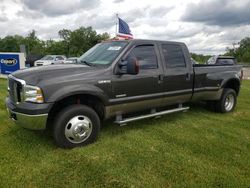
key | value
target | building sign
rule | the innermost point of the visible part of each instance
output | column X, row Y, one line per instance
column 9, row 63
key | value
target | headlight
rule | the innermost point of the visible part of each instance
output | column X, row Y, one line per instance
column 33, row 94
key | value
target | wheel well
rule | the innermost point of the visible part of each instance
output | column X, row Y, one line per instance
column 233, row 84
column 88, row 100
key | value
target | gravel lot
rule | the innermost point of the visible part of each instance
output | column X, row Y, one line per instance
column 246, row 73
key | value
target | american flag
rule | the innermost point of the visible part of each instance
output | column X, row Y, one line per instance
column 123, row 30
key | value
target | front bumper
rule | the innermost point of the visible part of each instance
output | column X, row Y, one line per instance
column 34, row 121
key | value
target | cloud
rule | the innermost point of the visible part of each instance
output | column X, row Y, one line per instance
column 118, row 1
column 54, row 8
column 206, row 26
column 171, row 31
column 219, row 12
column 96, row 21
column 133, row 14
column 28, row 13
column 160, row 11
column 3, row 17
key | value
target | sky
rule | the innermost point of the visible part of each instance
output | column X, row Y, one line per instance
column 206, row 26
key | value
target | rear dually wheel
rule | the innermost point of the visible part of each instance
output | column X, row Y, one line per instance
column 227, row 101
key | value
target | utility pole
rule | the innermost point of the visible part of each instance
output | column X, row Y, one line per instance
column 116, row 25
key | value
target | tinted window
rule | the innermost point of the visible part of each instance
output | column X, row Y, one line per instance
column 173, row 55
column 103, row 53
column 47, row 57
column 59, row 58
column 146, row 56
column 225, row 62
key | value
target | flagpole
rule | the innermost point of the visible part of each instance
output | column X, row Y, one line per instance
column 116, row 25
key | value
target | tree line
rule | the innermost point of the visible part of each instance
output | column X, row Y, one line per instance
column 240, row 50
column 72, row 43
column 200, row 58
column 78, row 41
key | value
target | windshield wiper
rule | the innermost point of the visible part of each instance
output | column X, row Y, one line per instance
column 86, row 63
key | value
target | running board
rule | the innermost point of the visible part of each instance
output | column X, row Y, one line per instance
column 121, row 121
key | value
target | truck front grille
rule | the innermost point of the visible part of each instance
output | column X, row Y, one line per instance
column 15, row 88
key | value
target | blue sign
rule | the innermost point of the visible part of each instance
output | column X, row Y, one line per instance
column 9, row 63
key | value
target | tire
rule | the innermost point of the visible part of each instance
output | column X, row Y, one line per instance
column 227, row 102
column 76, row 125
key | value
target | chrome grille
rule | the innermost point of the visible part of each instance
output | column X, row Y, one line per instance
column 15, row 88
column 11, row 89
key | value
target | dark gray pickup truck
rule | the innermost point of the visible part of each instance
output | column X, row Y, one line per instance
column 116, row 79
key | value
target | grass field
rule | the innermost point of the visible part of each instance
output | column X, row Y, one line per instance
column 198, row 148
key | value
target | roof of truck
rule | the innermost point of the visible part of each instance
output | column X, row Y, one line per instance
column 226, row 57
column 144, row 40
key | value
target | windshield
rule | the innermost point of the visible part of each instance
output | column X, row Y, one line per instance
column 48, row 57
column 103, row 53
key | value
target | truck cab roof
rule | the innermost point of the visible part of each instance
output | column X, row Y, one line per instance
column 145, row 41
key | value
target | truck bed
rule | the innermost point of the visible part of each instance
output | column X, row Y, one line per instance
column 208, row 79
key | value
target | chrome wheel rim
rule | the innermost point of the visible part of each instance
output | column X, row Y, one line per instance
column 229, row 102
column 78, row 129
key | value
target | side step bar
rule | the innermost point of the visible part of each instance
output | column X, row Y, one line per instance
column 121, row 121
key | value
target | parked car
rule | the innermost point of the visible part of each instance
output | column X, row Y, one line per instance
column 50, row 60
column 71, row 60
column 221, row 60
column 116, row 79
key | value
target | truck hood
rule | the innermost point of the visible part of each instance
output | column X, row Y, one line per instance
column 35, row 75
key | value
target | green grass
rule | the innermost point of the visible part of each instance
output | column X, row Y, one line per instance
column 198, row 148
column 244, row 63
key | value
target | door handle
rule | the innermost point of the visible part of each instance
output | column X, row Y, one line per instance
column 188, row 76
column 161, row 77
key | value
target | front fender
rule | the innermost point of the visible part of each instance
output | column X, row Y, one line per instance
column 70, row 90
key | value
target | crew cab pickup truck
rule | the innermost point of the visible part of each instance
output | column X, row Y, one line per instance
column 116, row 79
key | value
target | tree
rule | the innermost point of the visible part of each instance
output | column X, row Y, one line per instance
column 72, row 43
column 55, row 47
column 65, row 35
column 242, row 52
column 80, row 40
column 11, row 43
column 200, row 58
column 33, row 44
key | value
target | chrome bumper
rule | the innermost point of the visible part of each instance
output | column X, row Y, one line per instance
column 34, row 122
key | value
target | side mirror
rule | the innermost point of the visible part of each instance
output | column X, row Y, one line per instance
column 130, row 66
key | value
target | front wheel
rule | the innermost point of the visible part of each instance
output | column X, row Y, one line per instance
column 76, row 125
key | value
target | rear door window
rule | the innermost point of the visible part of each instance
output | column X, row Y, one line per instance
column 173, row 56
